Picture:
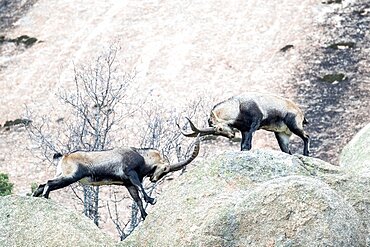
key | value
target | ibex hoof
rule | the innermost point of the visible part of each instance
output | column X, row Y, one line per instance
column 143, row 215
column 152, row 201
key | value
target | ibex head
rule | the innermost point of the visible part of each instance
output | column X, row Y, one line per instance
column 161, row 167
column 215, row 128
column 221, row 126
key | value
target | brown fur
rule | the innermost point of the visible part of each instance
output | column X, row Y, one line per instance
column 120, row 166
column 252, row 111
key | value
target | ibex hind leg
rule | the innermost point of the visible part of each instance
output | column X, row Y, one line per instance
column 297, row 129
column 39, row 190
column 283, row 140
column 57, row 183
column 61, row 181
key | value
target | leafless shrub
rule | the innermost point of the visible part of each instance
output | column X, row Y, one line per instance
column 99, row 92
column 97, row 104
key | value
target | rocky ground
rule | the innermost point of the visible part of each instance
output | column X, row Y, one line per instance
column 256, row 198
column 337, row 108
column 261, row 198
column 313, row 52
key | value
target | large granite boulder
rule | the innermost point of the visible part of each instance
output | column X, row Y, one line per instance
column 258, row 198
column 30, row 221
column 254, row 198
column 355, row 156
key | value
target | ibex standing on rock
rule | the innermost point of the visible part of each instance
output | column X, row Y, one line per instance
column 120, row 166
column 252, row 111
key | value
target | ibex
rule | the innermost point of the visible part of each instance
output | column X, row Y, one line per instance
column 120, row 166
column 252, row 111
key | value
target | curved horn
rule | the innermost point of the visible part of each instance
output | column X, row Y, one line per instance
column 205, row 131
column 180, row 165
column 196, row 131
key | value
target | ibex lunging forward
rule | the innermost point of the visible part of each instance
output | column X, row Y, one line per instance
column 252, row 111
column 120, row 166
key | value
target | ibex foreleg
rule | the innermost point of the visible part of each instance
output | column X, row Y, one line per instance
column 134, row 179
column 246, row 143
column 135, row 195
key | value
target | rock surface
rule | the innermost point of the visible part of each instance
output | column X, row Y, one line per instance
column 259, row 198
column 254, row 198
column 215, row 48
column 355, row 156
column 289, row 211
column 29, row 221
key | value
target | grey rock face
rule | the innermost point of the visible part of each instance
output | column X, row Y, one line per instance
column 29, row 221
column 355, row 156
column 259, row 198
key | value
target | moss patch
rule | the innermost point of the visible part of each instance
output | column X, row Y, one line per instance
column 18, row 121
column 24, row 40
column 332, row 1
column 334, row 78
column 286, row 48
column 342, row 45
